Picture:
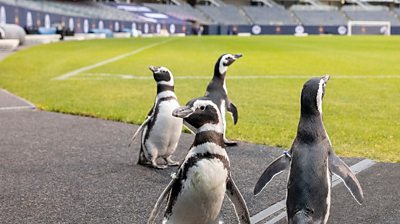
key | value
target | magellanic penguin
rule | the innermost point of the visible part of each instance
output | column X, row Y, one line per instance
column 160, row 131
column 197, row 190
column 311, row 160
column 218, row 92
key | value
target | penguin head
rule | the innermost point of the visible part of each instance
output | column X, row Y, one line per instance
column 224, row 61
column 162, row 75
column 312, row 94
column 202, row 114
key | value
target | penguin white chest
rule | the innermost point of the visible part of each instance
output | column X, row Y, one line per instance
column 202, row 194
column 223, row 113
column 166, row 131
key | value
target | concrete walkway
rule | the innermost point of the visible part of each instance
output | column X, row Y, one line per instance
column 57, row 168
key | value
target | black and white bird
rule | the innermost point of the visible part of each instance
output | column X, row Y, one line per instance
column 218, row 92
column 160, row 131
column 196, row 192
column 311, row 160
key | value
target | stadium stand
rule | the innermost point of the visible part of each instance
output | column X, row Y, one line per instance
column 225, row 14
column 77, row 8
column 183, row 11
column 206, row 17
column 275, row 15
column 397, row 12
column 370, row 13
column 317, row 16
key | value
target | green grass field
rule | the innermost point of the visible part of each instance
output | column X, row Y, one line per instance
column 361, row 114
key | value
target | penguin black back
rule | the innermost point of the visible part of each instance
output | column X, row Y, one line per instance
column 311, row 126
column 311, row 96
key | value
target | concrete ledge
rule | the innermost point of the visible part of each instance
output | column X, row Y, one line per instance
column 9, row 44
column 42, row 39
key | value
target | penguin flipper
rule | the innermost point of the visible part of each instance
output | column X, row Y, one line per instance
column 157, row 206
column 273, row 169
column 239, row 204
column 338, row 167
column 150, row 113
column 139, row 130
column 232, row 108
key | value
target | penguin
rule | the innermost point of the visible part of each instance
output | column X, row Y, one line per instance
column 160, row 131
column 312, row 161
column 218, row 92
column 197, row 190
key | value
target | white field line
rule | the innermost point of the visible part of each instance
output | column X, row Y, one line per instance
column 101, row 76
column 101, row 63
column 356, row 168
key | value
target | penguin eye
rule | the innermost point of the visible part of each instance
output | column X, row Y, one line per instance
column 202, row 108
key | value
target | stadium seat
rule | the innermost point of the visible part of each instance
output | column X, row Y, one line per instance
column 372, row 13
column 225, row 14
column 276, row 15
column 78, row 8
column 317, row 16
column 183, row 11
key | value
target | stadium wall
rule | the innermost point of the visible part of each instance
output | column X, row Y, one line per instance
column 287, row 30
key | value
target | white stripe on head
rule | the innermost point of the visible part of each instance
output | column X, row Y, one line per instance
column 166, row 70
column 319, row 95
column 210, row 147
column 223, row 68
column 164, row 94
column 211, row 127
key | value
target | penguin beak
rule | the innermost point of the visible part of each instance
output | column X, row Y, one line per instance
column 231, row 60
column 325, row 78
column 183, row 112
column 153, row 68
column 236, row 56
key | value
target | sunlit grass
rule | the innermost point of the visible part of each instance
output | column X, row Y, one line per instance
column 361, row 115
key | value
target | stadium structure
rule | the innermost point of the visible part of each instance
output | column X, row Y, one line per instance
column 196, row 17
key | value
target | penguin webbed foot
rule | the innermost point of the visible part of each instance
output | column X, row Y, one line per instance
column 152, row 165
column 171, row 162
column 159, row 167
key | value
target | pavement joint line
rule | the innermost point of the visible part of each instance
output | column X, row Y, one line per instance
column 267, row 212
column 30, row 105
column 101, row 76
column 17, row 108
column 110, row 60
column 356, row 168
column 277, row 218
